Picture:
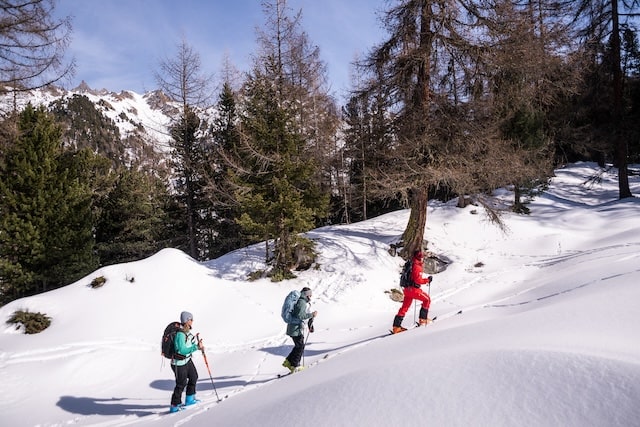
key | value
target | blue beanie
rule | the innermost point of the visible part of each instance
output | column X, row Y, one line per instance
column 185, row 316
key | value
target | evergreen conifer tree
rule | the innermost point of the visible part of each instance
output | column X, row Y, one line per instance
column 130, row 220
column 182, row 80
column 189, row 165
column 226, row 232
column 45, row 212
column 283, row 178
column 277, row 195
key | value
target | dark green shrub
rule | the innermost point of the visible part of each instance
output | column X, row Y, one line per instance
column 32, row 322
column 278, row 275
column 255, row 275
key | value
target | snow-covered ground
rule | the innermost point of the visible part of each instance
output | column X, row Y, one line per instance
column 548, row 334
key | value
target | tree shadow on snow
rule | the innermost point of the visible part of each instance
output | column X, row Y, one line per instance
column 93, row 406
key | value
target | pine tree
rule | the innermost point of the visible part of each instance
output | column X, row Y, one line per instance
column 368, row 143
column 189, row 155
column 45, row 213
column 227, row 233
column 602, row 107
column 282, row 189
column 128, row 228
column 277, row 195
column 183, row 81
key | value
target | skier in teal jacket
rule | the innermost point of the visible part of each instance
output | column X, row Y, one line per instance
column 296, row 330
column 185, row 344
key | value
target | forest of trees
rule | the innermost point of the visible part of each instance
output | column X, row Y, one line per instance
column 459, row 99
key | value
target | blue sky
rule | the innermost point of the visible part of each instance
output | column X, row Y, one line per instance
column 117, row 44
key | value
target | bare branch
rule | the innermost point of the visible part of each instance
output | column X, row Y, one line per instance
column 32, row 45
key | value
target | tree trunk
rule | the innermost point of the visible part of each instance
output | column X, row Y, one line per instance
column 413, row 235
column 620, row 142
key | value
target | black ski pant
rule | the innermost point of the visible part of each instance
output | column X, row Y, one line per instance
column 186, row 376
column 298, row 349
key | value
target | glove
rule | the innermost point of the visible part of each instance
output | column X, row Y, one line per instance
column 310, row 325
column 429, row 279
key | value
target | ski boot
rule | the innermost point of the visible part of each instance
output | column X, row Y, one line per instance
column 397, row 325
column 191, row 400
column 288, row 365
column 423, row 319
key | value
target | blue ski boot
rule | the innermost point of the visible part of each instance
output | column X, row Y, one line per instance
column 191, row 400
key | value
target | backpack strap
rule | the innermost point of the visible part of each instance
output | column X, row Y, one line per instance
column 176, row 355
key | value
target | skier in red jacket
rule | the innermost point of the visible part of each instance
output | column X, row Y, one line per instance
column 414, row 292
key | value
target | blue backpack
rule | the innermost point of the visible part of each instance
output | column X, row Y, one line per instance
column 288, row 305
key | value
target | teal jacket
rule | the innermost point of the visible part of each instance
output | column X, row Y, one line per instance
column 184, row 344
column 300, row 314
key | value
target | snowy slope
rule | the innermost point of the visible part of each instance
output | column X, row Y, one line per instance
column 547, row 336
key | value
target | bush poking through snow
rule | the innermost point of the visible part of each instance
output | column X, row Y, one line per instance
column 31, row 322
column 98, row 282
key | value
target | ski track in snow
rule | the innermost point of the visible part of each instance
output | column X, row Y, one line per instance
column 602, row 252
column 72, row 349
column 455, row 297
column 264, row 366
column 209, row 399
column 326, row 289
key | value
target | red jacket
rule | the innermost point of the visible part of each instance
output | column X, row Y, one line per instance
column 416, row 272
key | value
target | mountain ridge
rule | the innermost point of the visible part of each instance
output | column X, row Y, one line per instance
column 142, row 120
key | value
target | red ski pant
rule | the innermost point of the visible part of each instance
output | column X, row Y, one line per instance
column 411, row 293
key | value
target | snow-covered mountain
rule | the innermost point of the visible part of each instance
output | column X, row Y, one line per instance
column 143, row 117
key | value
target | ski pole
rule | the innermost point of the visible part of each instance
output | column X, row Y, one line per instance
column 204, row 355
column 307, row 338
column 304, row 346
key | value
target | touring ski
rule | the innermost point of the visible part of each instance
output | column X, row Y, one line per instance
column 284, row 375
column 326, row 356
column 418, row 325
